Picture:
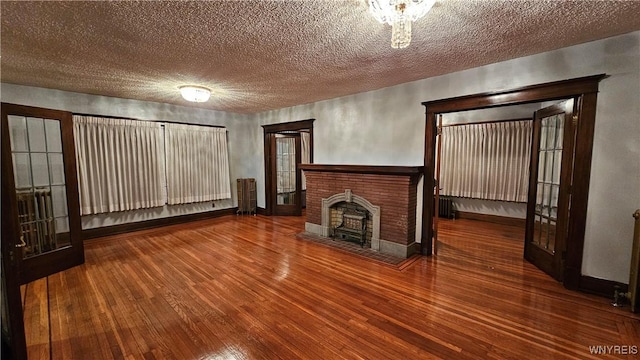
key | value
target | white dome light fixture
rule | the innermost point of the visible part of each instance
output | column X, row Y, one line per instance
column 195, row 93
column 399, row 14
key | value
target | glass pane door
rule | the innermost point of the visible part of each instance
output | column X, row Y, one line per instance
column 40, row 186
column 548, row 182
column 285, row 170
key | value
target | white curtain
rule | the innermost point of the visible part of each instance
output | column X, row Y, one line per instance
column 486, row 161
column 119, row 164
column 305, row 138
column 197, row 164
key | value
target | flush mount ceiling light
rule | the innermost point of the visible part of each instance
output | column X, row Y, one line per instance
column 399, row 14
column 195, row 93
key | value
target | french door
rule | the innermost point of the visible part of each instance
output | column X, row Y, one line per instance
column 549, row 187
column 40, row 209
column 286, row 156
column 283, row 151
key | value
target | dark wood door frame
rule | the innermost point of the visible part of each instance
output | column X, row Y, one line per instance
column 269, row 139
column 584, row 91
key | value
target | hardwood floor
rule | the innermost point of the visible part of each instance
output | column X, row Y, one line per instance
column 247, row 288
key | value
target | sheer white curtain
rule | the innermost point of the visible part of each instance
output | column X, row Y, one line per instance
column 119, row 164
column 486, row 161
column 197, row 163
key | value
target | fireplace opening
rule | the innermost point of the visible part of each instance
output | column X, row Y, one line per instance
column 351, row 222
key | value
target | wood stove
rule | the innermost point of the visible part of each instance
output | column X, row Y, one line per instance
column 352, row 228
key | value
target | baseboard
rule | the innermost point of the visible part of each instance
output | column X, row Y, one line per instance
column 153, row 223
column 600, row 287
column 491, row 218
column 261, row 211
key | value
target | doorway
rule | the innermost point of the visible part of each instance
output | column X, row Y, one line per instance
column 583, row 92
column 286, row 146
column 40, row 208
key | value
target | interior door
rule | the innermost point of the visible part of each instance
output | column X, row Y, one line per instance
column 549, row 188
column 40, row 209
column 287, row 177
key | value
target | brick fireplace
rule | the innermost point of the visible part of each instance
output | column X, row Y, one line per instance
column 386, row 194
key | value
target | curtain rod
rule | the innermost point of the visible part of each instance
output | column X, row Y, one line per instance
column 161, row 121
column 487, row 122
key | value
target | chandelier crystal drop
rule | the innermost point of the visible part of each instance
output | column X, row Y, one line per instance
column 195, row 93
column 399, row 14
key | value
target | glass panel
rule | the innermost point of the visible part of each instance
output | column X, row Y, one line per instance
column 546, row 208
column 35, row 170
column 548, row 172
column 555, row 191
column 39, row 169
column 62, row 225
column 541, row 165
column 537, row 230
column 560, row 132
column 543, row 232
column 557, row 164
column 54, row 137
column 22, row 170
column 551, row 236
column 539, row 195
column 18, row 131
column 36, row 221
column 551, row 133
column 546, row 201
column 37, row 142
column 59, row 200
column 543, row 133
column 56, row 168
column 286, row 170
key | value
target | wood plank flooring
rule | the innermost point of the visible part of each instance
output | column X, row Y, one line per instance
column 245, row 287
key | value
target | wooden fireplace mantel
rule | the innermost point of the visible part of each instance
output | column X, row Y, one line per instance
column 365, row 169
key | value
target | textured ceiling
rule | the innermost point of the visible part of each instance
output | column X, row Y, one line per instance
column 262, row 55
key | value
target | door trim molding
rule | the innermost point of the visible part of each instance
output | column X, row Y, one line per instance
column 584, row 90
column 269, row 133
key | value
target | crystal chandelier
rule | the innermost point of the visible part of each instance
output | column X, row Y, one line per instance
column 195, row 93
column 399, row 14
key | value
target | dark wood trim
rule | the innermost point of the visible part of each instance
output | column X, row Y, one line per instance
column 10, row 262
column 428, row 183
column 496, row 219
column 159, row 121
column 584, row 90
column 365, row 169
column 154, row 223
column 605, row 288
column 262, row 211
column 586, row 112
column 289, row 126
column 555, row 90
column 268, row 186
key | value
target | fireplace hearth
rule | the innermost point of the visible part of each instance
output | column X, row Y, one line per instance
column 387, row 195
